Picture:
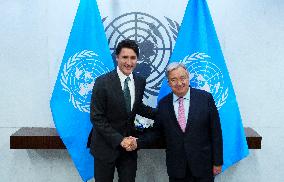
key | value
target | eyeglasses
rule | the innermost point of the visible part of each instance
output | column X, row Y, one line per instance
column 175, row 81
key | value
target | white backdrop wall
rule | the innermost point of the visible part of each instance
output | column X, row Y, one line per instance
column 33, row 36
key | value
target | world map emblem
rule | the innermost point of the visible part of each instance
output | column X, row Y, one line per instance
column 78, row 77
column 205, row 75
column 155, row 42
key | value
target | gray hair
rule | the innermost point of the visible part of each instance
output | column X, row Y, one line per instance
column 172, row 66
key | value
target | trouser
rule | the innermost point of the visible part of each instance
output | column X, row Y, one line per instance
column 126, row 165
column 190, row 178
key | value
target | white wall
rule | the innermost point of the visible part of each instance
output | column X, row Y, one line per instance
column 33, row 36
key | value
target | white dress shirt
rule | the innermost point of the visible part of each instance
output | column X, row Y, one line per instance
column 186, row 103
column 131, row 85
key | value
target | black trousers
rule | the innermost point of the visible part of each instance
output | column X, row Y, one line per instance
column 126, row 165
column 190, row 178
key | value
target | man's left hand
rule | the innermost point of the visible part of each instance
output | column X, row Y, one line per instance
column 217, row 170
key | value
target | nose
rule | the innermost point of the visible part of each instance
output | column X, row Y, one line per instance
column 179, row 82
column 129, row 62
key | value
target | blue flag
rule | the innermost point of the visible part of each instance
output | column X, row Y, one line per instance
column 86, row 57
column 197, row 46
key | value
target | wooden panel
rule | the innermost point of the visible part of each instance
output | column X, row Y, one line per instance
column 253, row 138
column 36, row 138
column 47, row 138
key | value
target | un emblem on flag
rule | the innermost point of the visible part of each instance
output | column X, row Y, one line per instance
column 78, row 77
column 205, row 75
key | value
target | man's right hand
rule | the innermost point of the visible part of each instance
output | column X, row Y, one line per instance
column 129, row 143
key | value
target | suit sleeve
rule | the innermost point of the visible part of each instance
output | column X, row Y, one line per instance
column 153, row 134
column 216, row 132
column 98, row 115
column 147, row 111
column 143, row 110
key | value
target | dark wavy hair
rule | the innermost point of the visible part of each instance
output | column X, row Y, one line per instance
column 127, row 43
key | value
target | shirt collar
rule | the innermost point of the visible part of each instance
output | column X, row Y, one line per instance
column 122, row 76
column 186, row 97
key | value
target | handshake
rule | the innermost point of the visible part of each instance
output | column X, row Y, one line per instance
column 129, row 143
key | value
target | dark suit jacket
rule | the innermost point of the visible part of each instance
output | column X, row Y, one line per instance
column 200, row 147
column 111, row 122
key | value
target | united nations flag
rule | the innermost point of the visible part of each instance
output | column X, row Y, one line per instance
column 86, row 57
column 197, row 46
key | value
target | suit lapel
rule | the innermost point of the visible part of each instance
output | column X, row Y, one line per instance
column 137, row 85
column 173, row 115
column 191, row 110
column 116, row 87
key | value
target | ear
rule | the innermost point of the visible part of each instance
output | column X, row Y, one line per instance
column 188, row 75
column 169, row 82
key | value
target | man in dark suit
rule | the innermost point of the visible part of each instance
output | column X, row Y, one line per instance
column 116, row 99
column 189, row 122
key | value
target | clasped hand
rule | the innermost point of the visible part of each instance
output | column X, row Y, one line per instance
column 129, row 143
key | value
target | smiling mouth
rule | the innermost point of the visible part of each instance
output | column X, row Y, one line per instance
column 180, row 87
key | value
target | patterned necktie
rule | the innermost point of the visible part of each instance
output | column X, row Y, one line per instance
column 181, row 114
column 127, row 96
